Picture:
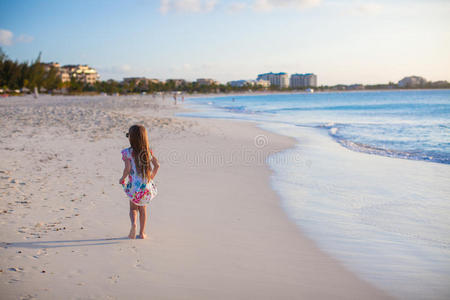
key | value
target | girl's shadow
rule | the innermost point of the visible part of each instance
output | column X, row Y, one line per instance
column 64, row 243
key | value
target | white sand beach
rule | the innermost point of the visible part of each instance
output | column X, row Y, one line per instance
column 215, row 231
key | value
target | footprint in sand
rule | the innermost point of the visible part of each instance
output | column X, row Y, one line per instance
column 28, row 297
column 42, row 252
column 114, row 278
column 138, row 264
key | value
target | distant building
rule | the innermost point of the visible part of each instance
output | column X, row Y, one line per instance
column 83, row 73
column 62, row 73
column 177, row 82
column 206, row 81
column 238, row 83
column 412, row 81
column 48, row 66
column 355, row 87
column 276, row 79
column 140, row 82
column 440, row 84
column 249, row 83
column 303, row 80
column 241, row 83
column 135, row 80
column 263, row 83
column 339, row 87
column 153, row 80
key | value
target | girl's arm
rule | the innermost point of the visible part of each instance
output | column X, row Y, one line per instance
column 155, row 167
column 126, row 170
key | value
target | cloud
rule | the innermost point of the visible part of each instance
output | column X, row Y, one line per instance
column 361, row 8
column 237, row 7
column 164, row 6
column 6, row 37
column 367, row 9
column 125, row 68
column 269, row 5
column 262, row 5
column 187, row 67
column 210, row 5
column 189, row 6
column 204, row 6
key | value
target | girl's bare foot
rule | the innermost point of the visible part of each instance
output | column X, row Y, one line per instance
column 132, row 234
column 142, row 235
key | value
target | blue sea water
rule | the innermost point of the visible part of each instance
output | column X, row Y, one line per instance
column 407, row 124
column 381, row 203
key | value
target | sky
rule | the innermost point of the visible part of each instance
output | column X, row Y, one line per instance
column 341, row 41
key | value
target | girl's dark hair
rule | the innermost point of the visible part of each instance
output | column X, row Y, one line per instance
column 141, row 152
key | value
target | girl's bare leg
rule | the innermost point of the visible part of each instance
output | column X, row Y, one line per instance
column 142, row 220
column 133, row 217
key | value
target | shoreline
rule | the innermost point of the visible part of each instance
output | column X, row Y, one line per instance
column 387, row 207
column 216, row 229
column 263, row 93
column 432, row 282
column 215, row 95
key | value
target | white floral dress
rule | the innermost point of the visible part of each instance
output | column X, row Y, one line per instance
column 139, row 192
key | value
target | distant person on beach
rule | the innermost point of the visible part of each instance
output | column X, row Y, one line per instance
column 141, row 167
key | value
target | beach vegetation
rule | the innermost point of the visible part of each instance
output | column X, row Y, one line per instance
column 26, row 76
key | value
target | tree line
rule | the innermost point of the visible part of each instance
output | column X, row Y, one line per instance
column 28, row 75
column 15, row 75
column 18, row 75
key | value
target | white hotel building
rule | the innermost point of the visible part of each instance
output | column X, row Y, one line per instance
column 303, row 80
column 276, row 79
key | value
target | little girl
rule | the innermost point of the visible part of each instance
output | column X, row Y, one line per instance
column 138, row 167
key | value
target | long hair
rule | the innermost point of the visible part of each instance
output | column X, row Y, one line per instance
column 141, row 152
